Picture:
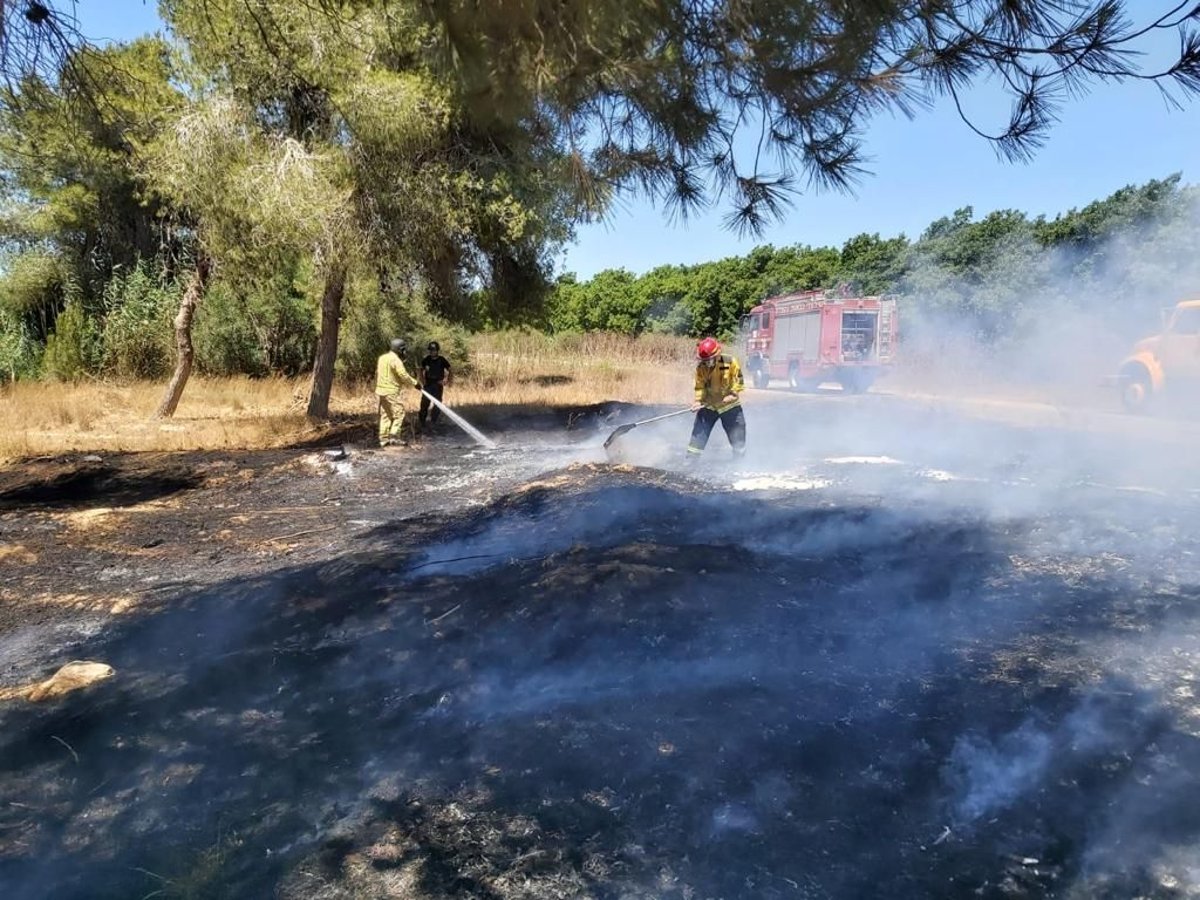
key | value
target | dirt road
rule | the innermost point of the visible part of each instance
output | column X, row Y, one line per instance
column 906, row 647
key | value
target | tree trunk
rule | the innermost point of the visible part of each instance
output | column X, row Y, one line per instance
column 192, row 295
column 327, row 344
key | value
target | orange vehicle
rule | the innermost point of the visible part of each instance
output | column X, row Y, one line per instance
column 809, row 338
column 1165, row 362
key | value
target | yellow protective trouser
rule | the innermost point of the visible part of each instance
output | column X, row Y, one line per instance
column 391, row 417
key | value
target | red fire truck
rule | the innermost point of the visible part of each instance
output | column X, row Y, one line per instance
column 811, row 337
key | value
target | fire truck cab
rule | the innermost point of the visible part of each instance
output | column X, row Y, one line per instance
column 1168, row 361
column 809, row 338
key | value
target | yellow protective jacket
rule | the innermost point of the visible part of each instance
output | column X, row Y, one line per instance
column 391, row 376
column 714, row 384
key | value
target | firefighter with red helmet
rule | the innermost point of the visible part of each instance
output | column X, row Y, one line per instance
column 718, row 384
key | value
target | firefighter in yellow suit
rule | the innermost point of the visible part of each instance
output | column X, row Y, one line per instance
column 390, row 379
column 718, row 384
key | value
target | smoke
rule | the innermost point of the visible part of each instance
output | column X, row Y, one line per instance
column 993, row 775
column 1051, row 321
column 535, row 530
column 988, row 776
column 1081, row 504
column 919, row 535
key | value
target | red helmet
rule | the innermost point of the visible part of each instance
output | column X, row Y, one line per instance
column 708, row 348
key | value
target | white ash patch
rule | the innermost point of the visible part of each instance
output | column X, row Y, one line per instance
column 942, row 475
column 863, row 461
column 780, row 483
column 1127, row 488
column 329, row 462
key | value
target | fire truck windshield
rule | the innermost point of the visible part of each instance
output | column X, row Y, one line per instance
column 1187, row 321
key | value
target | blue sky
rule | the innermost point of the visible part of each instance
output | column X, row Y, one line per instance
column 920, row 169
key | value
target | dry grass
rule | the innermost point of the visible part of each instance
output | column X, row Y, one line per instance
column 43, row 418
column 48, row 417
column 575, row 370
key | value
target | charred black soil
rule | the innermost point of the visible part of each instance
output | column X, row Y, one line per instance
column 849, row 677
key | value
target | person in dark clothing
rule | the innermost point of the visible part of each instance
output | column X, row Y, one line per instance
column 435, row 376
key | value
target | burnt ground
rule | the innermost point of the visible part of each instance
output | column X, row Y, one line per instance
column 895, row 652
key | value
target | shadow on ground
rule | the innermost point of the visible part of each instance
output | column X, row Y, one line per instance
column 91, row 485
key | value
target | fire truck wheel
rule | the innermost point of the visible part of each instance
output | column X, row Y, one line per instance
column 804, row 385
column 1136, row 391
column 855, row 382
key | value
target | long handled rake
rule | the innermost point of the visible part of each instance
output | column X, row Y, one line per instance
column 629, row 426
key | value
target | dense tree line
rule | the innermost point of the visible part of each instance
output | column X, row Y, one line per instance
column 275, row 186
column 1120, row 258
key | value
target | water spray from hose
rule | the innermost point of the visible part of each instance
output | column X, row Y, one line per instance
column 478, row 436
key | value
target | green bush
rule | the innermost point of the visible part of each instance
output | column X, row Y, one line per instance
column 73, row 349
column 224, row 339
column 256, row 329
column 374, row 318
column 20, row 354
column 287, row 331
column 672, row 318
column 138, row 330
column 34, row 289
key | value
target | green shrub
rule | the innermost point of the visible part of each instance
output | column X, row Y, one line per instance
column 73, row 349
column 223, row 336
column 20, row 354
column 674, row 318
column 256, row 329
column 138, row 330
column 286, row 327
column 34, row 289
column 373, row 319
